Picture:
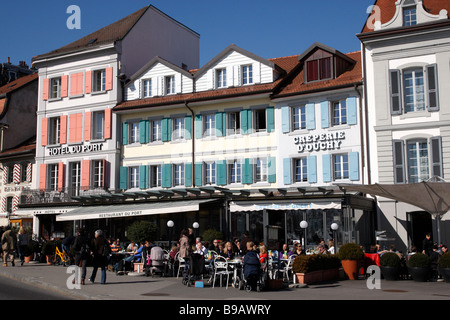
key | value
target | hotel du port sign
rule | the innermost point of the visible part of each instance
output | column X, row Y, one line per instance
column 74, row 149
column 320, row 142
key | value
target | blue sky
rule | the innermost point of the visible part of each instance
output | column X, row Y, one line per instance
column 267, row 28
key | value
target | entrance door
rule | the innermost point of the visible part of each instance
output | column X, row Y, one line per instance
column 420, row 224
column 276, row 229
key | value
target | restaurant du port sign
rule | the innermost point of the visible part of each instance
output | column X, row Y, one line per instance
column 64, row 150
column 320, row 142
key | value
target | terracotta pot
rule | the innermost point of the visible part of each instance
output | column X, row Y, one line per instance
column 351, row 268
column 29, row 258
column 49, row 259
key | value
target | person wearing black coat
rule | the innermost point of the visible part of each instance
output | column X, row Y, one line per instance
column 100, row 250
column 82, row 254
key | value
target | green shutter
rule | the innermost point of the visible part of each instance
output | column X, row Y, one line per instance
column 244, row 124
column 143, row 177
column 270, row 119
column 188, row 127
column 220, row 124
column 272, row 170
column 198, row 126
column 166, row 130
column 188, row 174
column 198, row 174
column 221, row 172
column 248, row 172
column 123, row 178
column 143, row 131
column 124, row 133
column 167, row 175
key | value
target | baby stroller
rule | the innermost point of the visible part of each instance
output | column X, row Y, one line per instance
column 195, row 269
column 157, row 261
column 253, row 274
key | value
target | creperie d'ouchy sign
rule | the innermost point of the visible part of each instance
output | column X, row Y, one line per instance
column 57, row 151
column 320, row 142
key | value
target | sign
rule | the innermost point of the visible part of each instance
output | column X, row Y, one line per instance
column 57, row 151
column 320, row 142
column 259, row 206
column 120, row 214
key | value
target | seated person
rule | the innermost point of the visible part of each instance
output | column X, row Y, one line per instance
column 134, row 257
column 285, row 253
column 263, row 254
column 228, row 251
column 201, row 249
column 115, row 246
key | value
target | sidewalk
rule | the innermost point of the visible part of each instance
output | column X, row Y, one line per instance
column 128, row 287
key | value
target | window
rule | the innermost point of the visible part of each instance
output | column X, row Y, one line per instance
column 155, row 176
column 260, row 170
column 10, row 178
column 170, row 84
column 319, row 69
column 178, row 125
column 147, row 88
column 409, row 16
column 299, row 118
column 221, row 76
column 209, row 125
column 98, row 173
column 234, row 172
column 133, row 128
column 418, row 163
column 234, row 123
column 156, row 130
column 53, row 177
column 210, row 172
column 75, row 178
column 260, row 120
column 339, row 113
column 247, row 74
column 99, row 80
column 9, row 204
column 414, row 90
column 178, row 170
column 54, row 130
column 340, row 167
column 301, row 170
column 98, row 125
column 55, row 88
column 23, row 172
column 134, row 177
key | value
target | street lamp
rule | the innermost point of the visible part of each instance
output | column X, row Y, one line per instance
column 195, row 225
column 170, row 225
column 334, row 227
column 304, row 225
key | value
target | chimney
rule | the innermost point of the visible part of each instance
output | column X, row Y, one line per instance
column 9, row 61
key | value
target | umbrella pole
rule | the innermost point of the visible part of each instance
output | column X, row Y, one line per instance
column 438, row 225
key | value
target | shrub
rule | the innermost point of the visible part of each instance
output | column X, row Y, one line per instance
column 350, row 251
column 211, row 234
column 314, row 262
column 444, row 260
column 141, row 231
column 390, row 259
column 419, row 260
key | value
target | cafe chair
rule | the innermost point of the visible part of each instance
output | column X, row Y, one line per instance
column 221, row 269
column 287, row 268
column 181, row 263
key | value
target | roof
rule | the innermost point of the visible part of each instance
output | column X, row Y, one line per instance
column 109, row 34
column 26, row 148
column 154, row 61
column 18, row 83
column 388, row 9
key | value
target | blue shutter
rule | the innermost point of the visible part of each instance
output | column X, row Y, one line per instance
column 248, row 172
column 325, row 114
column 270, row 119
column 310, row 116
column 198, row 174
column 353, row 162
column 221, row 172
column 167, row 175
column 198, row 126
column 312, row 169
column 287, row 176
column 143, row 133
column 244, row 122
column 352, row 113
column 188, row 127
column 123, row 178
column 326, row 167
column 124, row 133
column 143, row 177
column 285, row 119
column 272, row 170
column 188, row 174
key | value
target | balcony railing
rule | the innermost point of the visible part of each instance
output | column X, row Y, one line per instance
column 64, row 195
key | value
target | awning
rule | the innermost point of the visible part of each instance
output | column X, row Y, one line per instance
column 131, row 209
column 29, row 212
column 283, row 205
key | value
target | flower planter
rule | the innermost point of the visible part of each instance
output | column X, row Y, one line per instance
column 445, row 272
column 390, row 273
column 317, row 276
column 49, row 259
column 420, row 274
column 351, row 268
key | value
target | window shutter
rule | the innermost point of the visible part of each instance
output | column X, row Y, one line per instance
column 188, row 174
column 143, row 133
column 248, row 172
column 44, row 132
column 107, row 133
column 436, row 156
column 85, row 174
column 16, row 173
column 353, row 162
column 123, row 178
column 220, row 124
column 124, row 133
column 167, row 175
column 433, row 95
column 272, row 170
column 88, row 82
column 87, row 126
column 60, row 176
column 45, row 88
column 270, row 119
column 188, row 127
column 285, row 119
column 166, row 129
column 352, row 111
column 244, row 121
column 324, row 114
column 64, row 86
column 312, row 169
column 198, row 126
column 326, row 167
column 287, row 167
column 143, row 177
column 29, row 172
column 310, row 116
column 249, row 121
column 399, row 161
column 109, row 79
column 198, row 174
column 63, row 130
column 221, row 172
column 105, row 174
column 42, row 176
column 395, row 91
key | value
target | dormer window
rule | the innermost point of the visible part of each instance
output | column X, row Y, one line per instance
column 221, row 76
column 318, row 69
column 409, row 13
column 247, row 74
column 170, row 85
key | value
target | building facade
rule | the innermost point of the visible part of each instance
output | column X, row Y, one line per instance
column 406, row 55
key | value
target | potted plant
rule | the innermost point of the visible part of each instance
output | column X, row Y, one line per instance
column 419, row 267
column 32, row 248
column 315, row 268
column 351, row 256
column 48, row 250
column 444, row 266
column 390, row 265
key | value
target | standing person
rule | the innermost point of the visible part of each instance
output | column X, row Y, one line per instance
column 244, row 241
column 191, row 237
column 100, row 249
column 427, row 245
column 82, row 250
column 8, row 246
column 22, row 244
column 185, row 248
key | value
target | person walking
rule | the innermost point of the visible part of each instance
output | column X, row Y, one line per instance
column 82, row 251
column 427, row 245
column 8, row 245
column 22, row 244
column 100, row 249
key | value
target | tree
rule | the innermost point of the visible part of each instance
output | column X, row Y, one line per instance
column 141, row 231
